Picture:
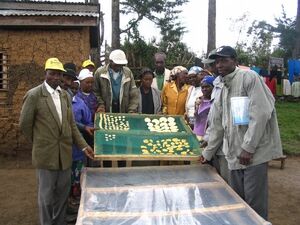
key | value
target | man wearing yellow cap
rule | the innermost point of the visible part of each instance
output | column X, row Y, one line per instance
column 88, row 64
column 47, row 121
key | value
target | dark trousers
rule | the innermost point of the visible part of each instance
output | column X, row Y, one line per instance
column 221, row 165
column 53, row 191
column 251, row 184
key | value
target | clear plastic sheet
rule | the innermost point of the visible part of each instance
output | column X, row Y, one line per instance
column 166, row 195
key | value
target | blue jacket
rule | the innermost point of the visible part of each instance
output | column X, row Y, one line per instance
column 90, row 101
column 82, row 115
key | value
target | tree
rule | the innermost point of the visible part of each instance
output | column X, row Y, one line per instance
column 211, row 26
column 115, row 23
column 257, row 48
column 139, row 54
column 260, row 48
column 296, row 51
column 285, row 30
column 163, row 14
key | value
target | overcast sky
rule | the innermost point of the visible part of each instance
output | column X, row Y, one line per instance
column 194, row 18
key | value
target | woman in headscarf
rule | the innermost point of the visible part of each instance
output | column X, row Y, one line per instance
column 85, row 92
column 203, row 105
column 174, row 93
column 195, row 77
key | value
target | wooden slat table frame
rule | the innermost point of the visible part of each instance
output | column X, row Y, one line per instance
column 147, row 157
column 209, row 210
column 216, row 209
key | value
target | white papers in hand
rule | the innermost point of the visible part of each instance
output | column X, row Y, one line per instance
column 240, row 110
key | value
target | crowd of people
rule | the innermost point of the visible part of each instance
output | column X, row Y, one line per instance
column 57, row 117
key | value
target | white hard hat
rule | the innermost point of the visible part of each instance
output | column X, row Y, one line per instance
column 118, row 57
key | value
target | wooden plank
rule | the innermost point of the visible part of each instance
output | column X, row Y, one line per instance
column 210, row 170
column 208, row 210
column 148, row 157
column 128, row 163
column 114, row 163
column 282, row 161
column 81, row 212
column 145, row 187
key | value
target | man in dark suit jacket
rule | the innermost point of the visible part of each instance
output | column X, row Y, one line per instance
column 47, row 120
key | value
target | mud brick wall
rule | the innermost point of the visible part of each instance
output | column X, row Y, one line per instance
column 28, row 49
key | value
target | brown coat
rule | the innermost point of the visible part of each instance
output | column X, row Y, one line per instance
column 129, row 98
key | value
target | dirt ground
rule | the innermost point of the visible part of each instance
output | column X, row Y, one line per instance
column 18, row 205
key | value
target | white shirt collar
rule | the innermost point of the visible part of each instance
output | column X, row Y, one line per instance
column 50, row 89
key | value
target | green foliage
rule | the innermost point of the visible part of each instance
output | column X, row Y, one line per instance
column 257, row 49
column 261, row 43
column 279, row 52
column 178, row 54
column 289, row 123
column 243, row 56
column 285, row 30
column 164, row 14
column 139, row 54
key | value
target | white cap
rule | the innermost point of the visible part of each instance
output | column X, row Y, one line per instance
column 118, row 57
column 84, row 73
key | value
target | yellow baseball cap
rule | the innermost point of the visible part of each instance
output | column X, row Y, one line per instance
column 54, row 64
column 87, row 63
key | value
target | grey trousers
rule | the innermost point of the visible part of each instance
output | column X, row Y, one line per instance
column 221, row 165
column 53, row 191
column 251, row 184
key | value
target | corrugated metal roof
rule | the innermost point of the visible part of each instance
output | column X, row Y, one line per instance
column 48, row 9
column 15, row 12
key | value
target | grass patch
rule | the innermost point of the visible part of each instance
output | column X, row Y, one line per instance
column 288, row 114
